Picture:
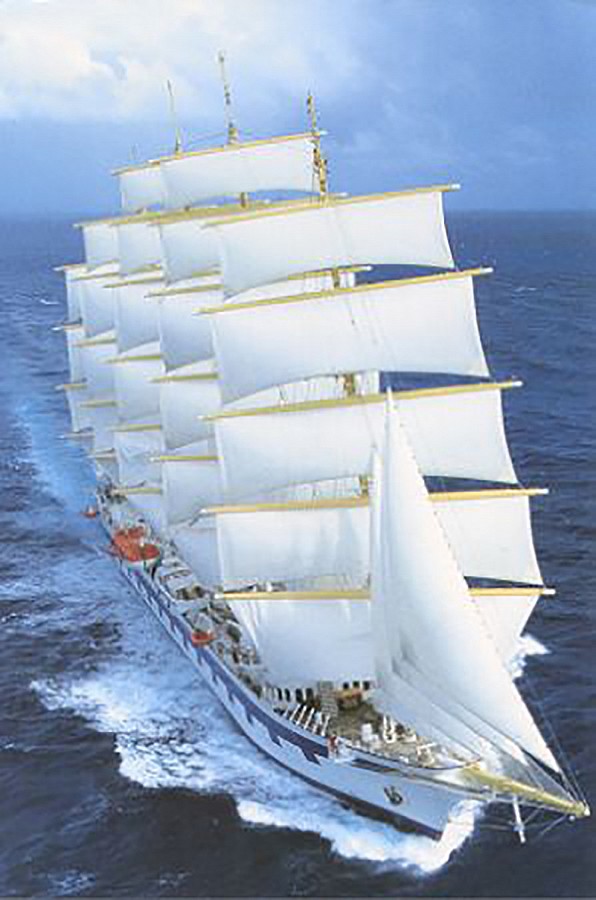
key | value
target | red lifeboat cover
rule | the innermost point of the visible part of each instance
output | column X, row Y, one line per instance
column 199, row 638
column 129, row 543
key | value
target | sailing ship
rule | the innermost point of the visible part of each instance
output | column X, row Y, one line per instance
column 348, row 565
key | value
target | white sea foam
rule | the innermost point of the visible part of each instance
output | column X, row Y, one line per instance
column 60, row 465
column 355, row 837
column 171, row 732
column 528, row 646
column 71, row 883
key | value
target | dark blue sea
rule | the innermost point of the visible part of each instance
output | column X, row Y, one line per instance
column 121, row 776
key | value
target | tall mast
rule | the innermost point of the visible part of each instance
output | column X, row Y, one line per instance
column 348, row 380
column 232, row 129
column 320, row 163
column 175, row 123
column 233, row 136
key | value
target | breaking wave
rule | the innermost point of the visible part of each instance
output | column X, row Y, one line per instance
column 170, row 732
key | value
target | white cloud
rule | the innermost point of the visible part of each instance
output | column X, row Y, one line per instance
column 109, row 59
column 410, row 90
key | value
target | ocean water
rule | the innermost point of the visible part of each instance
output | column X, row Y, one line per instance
column 121, row 775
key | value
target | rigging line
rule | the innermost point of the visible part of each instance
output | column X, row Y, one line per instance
column 174, row 118
column 568, row 774
column 558, row 821
column 507, row 825
column 534, row 814
column 198, row 139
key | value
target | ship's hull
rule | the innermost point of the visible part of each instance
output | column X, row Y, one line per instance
column 367, row 781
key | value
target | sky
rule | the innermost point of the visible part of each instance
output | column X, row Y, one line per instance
column 498, row 95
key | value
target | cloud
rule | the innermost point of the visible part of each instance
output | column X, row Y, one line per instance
column 109, row 59
column 410, row 91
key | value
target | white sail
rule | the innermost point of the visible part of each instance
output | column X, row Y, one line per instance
column 103, row 421
column 506, row 617
column 138, row 246
column 96, row 304
column 101, row 243
column 140, row 188
column 304, row 283
column 428, row 632
column 190, row 482
column 303, row 641
column 150, row 507
column 256, row 547
column 197, row 545
column 135, row 451
column 137, row 393
column 276, row 164
column 136, row 316
column 73, row 287
column 489, row 534
column 74, row 336
column 189, row 393
column 99, row 375
column 454, row 433
column 406, row 228
column 186, row 248
column 427, row 326
column 491, row 537
column 79, row 415
column 185, row 336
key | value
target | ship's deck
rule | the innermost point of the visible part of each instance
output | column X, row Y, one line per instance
column 356, row 724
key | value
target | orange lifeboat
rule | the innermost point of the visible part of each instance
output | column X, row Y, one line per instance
column 202, row 632
column 130, row 544
column 200, row 638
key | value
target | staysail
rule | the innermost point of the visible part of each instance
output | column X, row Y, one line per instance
column 427, row 631
column 227, row 371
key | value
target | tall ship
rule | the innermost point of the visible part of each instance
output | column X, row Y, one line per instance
column 303, row 470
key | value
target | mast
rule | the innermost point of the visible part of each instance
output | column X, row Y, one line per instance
column 320, row 163
column 175, row 123
column 426, row 546
column 233, row 134
column 322, row 175
column 348, row 380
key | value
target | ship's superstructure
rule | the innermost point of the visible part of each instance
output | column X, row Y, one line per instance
column 350, row 568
